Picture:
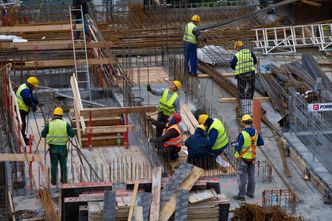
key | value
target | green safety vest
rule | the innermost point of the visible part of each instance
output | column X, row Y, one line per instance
column 222, row 138
column 188, row 33
column 20, row 101
column 245, row 62
column 248, row 149
column 167, row 106
column 57, row 132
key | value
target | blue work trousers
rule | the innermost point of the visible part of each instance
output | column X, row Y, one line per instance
column 190, row 55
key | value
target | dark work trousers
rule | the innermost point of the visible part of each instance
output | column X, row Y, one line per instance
column 24, row 124
column 169, row 153
column 190, row 56
column 246, row 85
column 86, row 28
column 162, row 118
column 246, row 177
column 58, row 154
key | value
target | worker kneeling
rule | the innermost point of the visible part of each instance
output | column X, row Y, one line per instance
column 57, row 133
column 216, row 133
column 245, row 154
column 199, row 151
column 171, row 138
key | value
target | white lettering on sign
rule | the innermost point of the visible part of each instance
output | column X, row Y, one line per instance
column 320, row 107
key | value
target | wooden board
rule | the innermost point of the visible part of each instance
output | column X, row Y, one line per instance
column 109, row 129
column 20, row 157
column 201, row 196
column 133, row 201
column 38, row 28
column 156, row 187
column 67, row 62
column 109, row 111
column 56, row 45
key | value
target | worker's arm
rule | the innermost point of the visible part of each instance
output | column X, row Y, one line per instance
column 240, row 141
column 70, row 130
column 28, row 99
column 213, row 135
column 169, row 135
column 254, row 57
column 177, row 105
column 233, row 62
column 260, row 141
column 157, row 92
column 45, row 131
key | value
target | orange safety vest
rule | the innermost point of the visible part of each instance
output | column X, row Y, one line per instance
column 175, row 141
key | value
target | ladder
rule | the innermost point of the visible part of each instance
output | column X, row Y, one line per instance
column 281, row 40
column 80, row 52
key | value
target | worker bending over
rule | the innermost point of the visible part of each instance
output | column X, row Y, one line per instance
column 168, row 103
column 244, row 63
column 216, row 133
column 199, row 151
column 191, row 39
column 245, row 154
column 57, row 133
column 171, row 138
column 26, row 102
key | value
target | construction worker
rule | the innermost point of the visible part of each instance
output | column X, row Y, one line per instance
column 168, row 103
column 26, row 102
column 77, row 4
column 244, row 63
column 191, row 39
column 171, row 138
column 199, row 151
column 245, row 154
column 57, row 133
column 216, row 133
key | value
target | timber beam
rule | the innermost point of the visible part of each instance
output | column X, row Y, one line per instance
column 38, row 28
column 66, row 62
column 20, row 157
column 99, row 112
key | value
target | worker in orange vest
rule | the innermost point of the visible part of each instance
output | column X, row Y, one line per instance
column 171, row 138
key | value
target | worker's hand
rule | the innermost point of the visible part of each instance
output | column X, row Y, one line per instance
column 148, row 87
column 36, row 101
column 153, row 121
column 34, row 108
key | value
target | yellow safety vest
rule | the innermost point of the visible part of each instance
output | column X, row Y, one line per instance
column 167, row 106
column 248, row 149
column 188, row 33
column 245, row 62
column 175, row 141
column 222, row 138
column 57, row 132
column 20, row 101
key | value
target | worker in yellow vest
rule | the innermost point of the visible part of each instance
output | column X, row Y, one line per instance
column 245, row 154
column 57, row 133
column 216, row 133
column 168, row 103
column 171, row 138
column 191, row 39
column 244, row 63
column 26, row 102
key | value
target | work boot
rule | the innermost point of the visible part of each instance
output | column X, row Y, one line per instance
column 240, row 198
column 26, row 140
column 250, row 196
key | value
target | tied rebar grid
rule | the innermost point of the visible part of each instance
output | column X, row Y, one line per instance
column 283, row 198
column 264, row 171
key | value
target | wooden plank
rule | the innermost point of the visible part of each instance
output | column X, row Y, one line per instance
column 20, row 157
column 76, row 108
column 199, row 197
column 138, row 213
column 133, row 201
column 109, row 129
column 156, row 187
column 11, row 206
column 109, row 111
column 67, row 62
column 58, row 45
column 38, row 28
column 235, row 100
column 187, row 184
column 315, row 4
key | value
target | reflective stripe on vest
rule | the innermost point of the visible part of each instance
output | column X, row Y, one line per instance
column 167, row 106
column 245, row 61
column 176, row 141
column 248, row 149
column 57, row 132
column 20, row 101
column 222, row 138
column 188, row 33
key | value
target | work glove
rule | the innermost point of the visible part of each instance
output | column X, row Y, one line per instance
column 148, row 87
column 34, row 108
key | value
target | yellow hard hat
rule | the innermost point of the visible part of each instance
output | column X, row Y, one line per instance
column 202, row 118
column 58, row 111
column 246, row 117
column 33, row 80
column 177, row 84
column 196, row 18
column 238, row 44
column 201, row 126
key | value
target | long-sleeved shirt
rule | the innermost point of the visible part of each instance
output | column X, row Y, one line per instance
column 198, row 145
column 234, row 60
column 171, row 133
column 159, row 92
column 77, row 4
column 28, row 98
column 213, row 133
column 70, row 131
column 251, row 131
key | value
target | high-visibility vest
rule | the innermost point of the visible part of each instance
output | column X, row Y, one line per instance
column 57, row 132
column 245, row 61
column 20, row 101
column 248, row 150
column 167, row 106
column 188, row 33
column 222, row 138
column 175, row 141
